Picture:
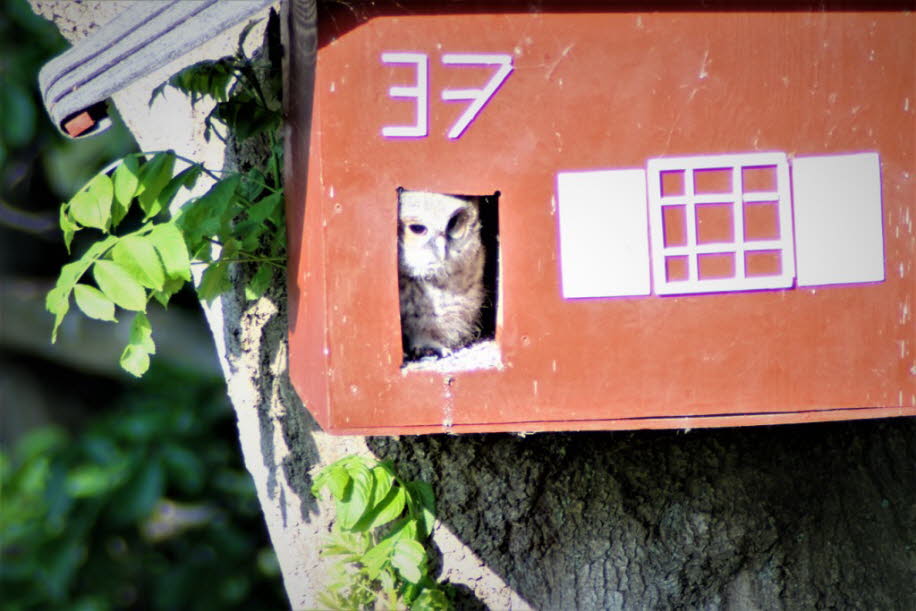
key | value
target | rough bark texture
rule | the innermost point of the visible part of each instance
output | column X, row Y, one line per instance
column 812, row 516
column 815, row 516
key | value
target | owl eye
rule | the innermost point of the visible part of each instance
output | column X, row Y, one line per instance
column 417, row 229
column 456, row 224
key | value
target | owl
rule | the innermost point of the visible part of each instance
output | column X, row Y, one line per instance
column 440, row 272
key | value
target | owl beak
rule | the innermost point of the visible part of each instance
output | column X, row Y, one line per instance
column 441, row 247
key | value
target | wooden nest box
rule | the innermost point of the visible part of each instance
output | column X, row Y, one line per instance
column 691, row 219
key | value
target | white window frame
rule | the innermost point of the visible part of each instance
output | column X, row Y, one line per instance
column 738, row 246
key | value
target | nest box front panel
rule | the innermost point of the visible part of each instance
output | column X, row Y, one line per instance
column 701, row 219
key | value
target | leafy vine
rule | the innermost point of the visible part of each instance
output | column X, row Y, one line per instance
column 377, row 537
column 239, row 219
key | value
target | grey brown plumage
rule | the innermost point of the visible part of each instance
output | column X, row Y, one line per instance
column 440, row 272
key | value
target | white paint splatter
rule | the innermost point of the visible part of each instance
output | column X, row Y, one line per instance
column 703, row 71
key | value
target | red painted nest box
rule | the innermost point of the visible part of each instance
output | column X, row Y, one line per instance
column 690, row 219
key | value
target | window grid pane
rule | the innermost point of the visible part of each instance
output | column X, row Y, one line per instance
column 764, row 169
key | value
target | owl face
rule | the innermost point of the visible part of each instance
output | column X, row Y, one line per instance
column 436, row 233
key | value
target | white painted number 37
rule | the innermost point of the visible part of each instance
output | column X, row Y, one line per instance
column 419, row 91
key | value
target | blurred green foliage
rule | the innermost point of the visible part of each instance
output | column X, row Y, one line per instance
column 147, row 508
column 147, row 505
column 39, row 168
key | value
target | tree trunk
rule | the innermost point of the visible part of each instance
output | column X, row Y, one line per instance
column 802, row 516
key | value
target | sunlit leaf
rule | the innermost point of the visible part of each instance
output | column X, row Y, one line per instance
column 94, row 303
column 389, row 508
column 141, row 333
column 58, row 299
column 67, row 226
column 154, row 175
column 91, row 206
column 57, row 302
column 376, row 558
column 170, row 244
column 338, row 480
column 351, row 508
column 409, row 558
column 138, row 256
column 126, row 181
column 134, row 360
column 119, row 285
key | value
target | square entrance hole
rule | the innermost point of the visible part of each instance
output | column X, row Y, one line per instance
column 448, row 280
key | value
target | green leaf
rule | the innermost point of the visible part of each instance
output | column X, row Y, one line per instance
column 57, row 302
column 138, row 496
column 253, row 185
column 338, row 480
column 352, row 507
column 171, row 287
column 383, row 481
column 40, row 442
column 376, row 558
column 169, row 243
column 186, row 468
column 91, row 206
column 403, row 529
column 184, row 179
column 387, row 509
column 60, row 568
column 126, row 181
column 265, row 208
column 154, row 175
column 207, row 78
column 89, row 480
column 409, row 558
column 259, row 282
column 206, row 216
column 58, row 299
column 94, row 303
column 119, row 285
column 67, row 226
column 134, row 361
column 214, row 282
column 141, row 333
column 246, row 116
column 139, row 257
column 430, row 600
column 423, row 502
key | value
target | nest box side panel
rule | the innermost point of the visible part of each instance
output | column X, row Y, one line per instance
column 307, row 278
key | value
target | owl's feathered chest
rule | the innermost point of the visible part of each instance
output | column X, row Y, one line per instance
column 441, row 313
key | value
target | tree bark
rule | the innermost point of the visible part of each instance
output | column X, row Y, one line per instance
column 801, row 516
